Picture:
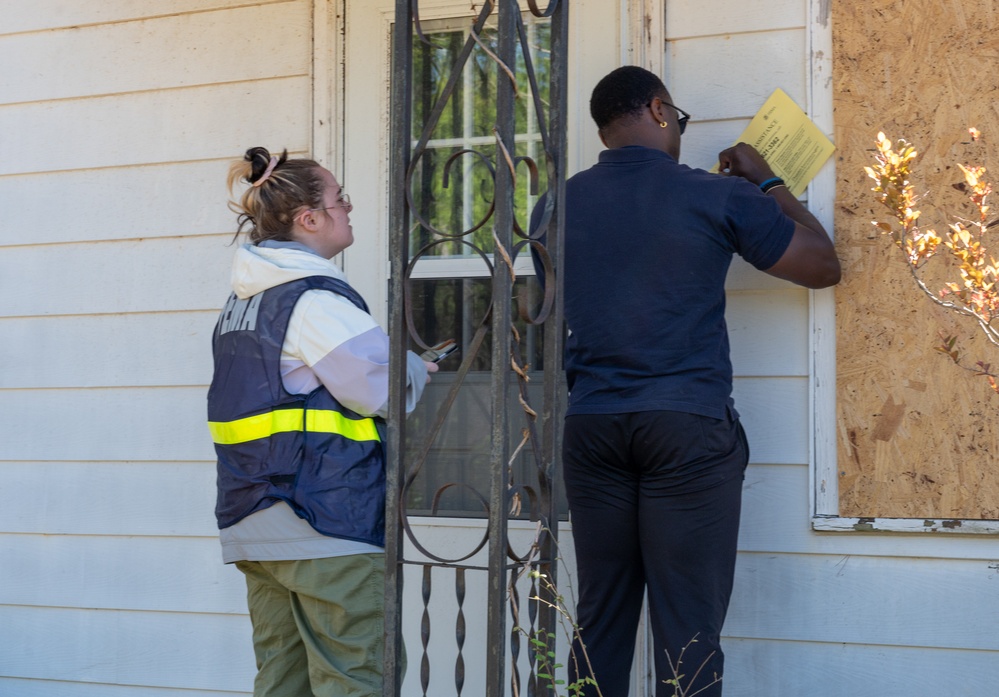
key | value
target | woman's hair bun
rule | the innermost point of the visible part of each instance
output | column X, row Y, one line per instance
column 260, row 159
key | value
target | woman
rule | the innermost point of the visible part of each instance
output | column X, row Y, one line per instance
column 296, row 410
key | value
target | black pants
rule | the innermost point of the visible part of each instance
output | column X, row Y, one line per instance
column 655, row 499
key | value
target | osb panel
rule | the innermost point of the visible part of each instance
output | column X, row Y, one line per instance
column 918, row 437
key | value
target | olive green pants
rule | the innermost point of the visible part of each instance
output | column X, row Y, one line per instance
column 317, row 625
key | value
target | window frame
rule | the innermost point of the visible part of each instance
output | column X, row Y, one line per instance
column 824, row 473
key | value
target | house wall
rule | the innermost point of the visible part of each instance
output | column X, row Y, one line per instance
column 820, row 614
column 118, row 121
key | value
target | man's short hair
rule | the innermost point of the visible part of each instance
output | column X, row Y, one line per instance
column 623, row 92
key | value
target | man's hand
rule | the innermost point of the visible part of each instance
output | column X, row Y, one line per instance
column 810, row 259
column 742, row 160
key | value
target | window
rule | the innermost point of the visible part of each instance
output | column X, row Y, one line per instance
column 451, row 192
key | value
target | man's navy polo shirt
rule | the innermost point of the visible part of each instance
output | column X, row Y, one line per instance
column 648, row 243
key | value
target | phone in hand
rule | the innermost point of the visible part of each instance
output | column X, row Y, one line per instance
column 436, row 354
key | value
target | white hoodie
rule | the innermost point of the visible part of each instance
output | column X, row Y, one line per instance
column 329, row 341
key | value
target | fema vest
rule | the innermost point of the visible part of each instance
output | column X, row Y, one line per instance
column 324, row 460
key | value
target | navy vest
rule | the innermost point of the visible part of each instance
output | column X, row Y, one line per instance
column 322, row 459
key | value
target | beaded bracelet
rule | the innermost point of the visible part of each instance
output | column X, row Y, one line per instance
column 771, row 183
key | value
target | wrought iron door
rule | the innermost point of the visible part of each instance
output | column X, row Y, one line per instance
column 464, row 195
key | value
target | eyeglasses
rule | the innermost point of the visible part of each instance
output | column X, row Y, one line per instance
column 342, row 201
column 681, row 120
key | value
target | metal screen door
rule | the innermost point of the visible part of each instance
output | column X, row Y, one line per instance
column 477, row 118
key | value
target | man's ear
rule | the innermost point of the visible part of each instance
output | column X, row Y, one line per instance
column 660, row 115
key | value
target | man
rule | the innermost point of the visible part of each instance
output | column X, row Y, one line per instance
column 653, row 451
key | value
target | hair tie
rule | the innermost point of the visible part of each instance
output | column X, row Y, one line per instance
column 267, row 172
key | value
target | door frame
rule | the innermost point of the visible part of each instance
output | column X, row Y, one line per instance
column 640, row 40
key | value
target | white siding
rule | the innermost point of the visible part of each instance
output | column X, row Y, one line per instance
column 120, row 120
column 34, row 15
column 141, row 648
column 182, row 506
column 186, row 198
column 818, row 614
column 767, row 668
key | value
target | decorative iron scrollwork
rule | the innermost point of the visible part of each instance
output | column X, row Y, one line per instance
column 497, row 254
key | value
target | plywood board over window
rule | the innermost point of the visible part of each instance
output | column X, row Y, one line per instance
column 916, row 434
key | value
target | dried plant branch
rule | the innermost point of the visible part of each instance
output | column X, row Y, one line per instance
column 975, row 293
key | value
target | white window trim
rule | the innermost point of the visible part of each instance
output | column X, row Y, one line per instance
column 643, row 43
column 327, row 73
column 822, row 196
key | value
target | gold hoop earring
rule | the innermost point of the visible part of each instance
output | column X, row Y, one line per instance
column 662, row 124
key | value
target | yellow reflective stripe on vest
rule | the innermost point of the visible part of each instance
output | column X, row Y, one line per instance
column 329, row 421
column 284, row 420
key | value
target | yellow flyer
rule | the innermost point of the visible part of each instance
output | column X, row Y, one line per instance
column 792, row 145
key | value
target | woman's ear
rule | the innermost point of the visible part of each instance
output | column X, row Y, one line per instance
column 308, row 220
